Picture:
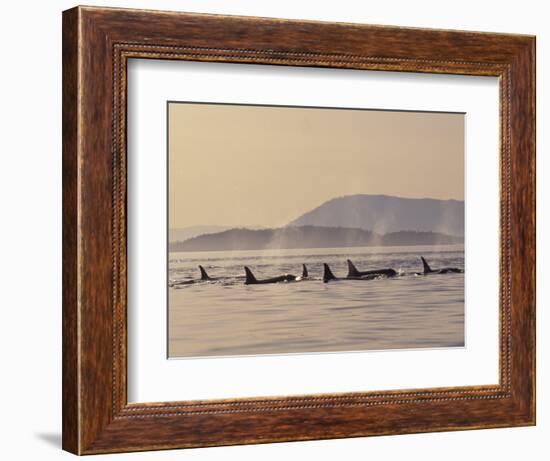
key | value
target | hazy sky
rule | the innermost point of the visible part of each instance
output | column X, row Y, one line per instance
column 265, row 166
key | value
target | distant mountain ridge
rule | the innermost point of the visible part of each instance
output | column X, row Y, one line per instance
column 384, row 214
column 183, row 233
column 307, row 237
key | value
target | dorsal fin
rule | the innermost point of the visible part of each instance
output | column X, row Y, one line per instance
column 427, row 268
column 304, row 271
column 352, row 270
column 327, row 273
column 204, row 275
column 249, row 276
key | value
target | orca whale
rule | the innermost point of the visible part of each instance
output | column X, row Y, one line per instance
column 353, row 272
column 443, row 270
column 204, row 277
column 252, row 280
column 329, row 276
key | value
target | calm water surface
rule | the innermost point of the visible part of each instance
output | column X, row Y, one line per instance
column 226, row 317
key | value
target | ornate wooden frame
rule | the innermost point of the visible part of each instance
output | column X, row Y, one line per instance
column 97, row 43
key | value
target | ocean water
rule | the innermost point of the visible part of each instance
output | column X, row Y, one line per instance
column 225, row 317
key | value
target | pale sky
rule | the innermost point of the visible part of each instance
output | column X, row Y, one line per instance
column 265, row 166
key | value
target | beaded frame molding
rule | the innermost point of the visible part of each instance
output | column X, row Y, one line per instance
column 97, row 43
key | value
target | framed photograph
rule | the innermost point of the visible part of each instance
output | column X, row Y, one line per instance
column 282, row 230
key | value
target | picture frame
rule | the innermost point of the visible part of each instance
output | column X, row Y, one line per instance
column 97, row 45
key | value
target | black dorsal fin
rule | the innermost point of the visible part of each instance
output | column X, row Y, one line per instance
column 204, row 275
column 249, row 276
column 427, row 268
column 327, row 273
column 352, row 270
column 304, row 271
